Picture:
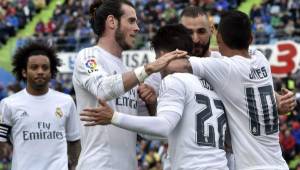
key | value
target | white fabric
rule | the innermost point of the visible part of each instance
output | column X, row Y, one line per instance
column 165, row 122
column 41, row 127
column 231, row 76
column 104, row 147
column 177, row 100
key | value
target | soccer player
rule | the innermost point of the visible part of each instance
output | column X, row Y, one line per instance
column 201, row 30
column 189, row 112
column 243, row 80
column 100, row 73
column 42, row 124
column 196, row 21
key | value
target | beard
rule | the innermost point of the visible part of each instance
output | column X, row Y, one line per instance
column 199, row 50
column 120, row 39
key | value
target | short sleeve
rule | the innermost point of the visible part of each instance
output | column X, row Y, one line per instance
column 72, row 124
column 88, row 69
column 5, row 121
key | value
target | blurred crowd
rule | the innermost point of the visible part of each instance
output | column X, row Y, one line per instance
column 14, row 14
column 69, row 30
column 275, row 20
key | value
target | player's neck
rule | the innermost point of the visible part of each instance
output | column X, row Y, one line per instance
column 110, row 45
column 37, row 91
column 234, row 52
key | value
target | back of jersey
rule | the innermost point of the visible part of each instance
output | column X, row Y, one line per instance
column 197, row 142
column 245, row 86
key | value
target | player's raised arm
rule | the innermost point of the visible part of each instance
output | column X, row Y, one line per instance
column 107, row 87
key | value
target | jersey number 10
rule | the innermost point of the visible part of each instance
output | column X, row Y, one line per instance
column 271, row 125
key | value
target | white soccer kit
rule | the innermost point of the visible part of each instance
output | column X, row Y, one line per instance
column 246, row 88
column 154, row 81
column 193, row 118
column 104, row 147
column 39, row 128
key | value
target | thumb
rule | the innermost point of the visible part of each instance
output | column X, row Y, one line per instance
column 284, row 91
column 102, row 102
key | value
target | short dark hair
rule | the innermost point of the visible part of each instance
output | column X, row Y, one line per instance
column 172, row 37
column 100, row 9
column 22, row 54
column 193, row 11
column 235, row 29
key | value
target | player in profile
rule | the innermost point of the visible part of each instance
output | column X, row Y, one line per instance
column 42, row 124
column 100, row 73
column 189, row 112
column 243, row 80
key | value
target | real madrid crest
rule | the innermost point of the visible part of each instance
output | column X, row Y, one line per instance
column 58, row 112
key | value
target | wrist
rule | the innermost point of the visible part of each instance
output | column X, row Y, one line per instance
column 114, row 118
column 148, row 69
column 141, row 73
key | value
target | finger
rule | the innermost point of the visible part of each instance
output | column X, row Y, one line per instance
column 88, row 119
column 92, row 110
column 102, row 102
column 90, row 124
column 96, row 123
column 284, row 91
column 146, row 95
column 181, row 55
column 149, row 98
column 288, row 96
column 86, row 113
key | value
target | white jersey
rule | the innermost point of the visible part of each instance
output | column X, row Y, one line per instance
column 39, row 128
column 154, row 81
column 197, row 141
column 103, row 147
column 246, row 88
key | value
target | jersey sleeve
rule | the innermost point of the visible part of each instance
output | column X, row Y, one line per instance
column 72, row 124
column 5, row 121
column 171, row 95
column 214, row 70
column 90, row 75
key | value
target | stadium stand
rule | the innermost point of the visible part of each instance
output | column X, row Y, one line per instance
column 69, row 30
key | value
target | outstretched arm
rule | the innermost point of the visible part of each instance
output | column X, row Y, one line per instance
column 160, row 125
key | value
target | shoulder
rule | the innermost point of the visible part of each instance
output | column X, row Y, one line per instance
column 88, row 53
column 14, row 98
column 178, row 78
column 60, row 97
column 215, row 54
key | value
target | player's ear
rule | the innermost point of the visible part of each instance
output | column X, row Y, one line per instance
column 24, row 74
column 251, row 39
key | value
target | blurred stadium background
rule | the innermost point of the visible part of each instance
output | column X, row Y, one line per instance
column 276, row 29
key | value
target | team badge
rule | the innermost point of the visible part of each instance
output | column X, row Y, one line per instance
column 91, row 65
column 58, row 112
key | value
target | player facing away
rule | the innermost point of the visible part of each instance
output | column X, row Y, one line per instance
column 100, row 73
column 243, row 80
column 42, row 124
column 189, row 112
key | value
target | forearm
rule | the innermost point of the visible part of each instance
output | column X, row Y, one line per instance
column 74, row 149
column 164, row 124
column 113, row 86
column 151, row 109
